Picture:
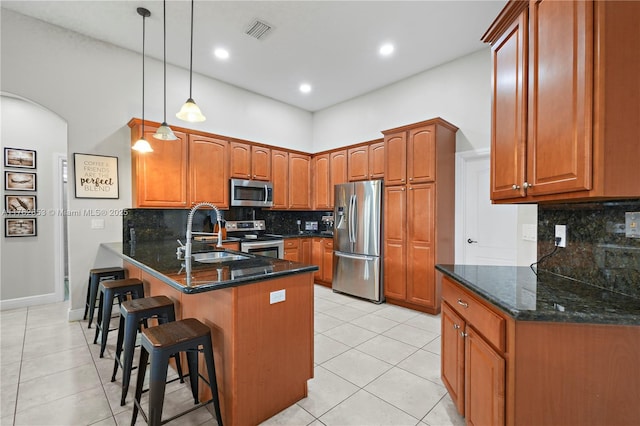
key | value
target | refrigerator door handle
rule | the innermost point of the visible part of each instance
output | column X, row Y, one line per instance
column 352, row 218
column 354, row 256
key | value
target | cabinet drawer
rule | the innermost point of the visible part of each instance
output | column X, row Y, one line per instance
column 328, row 243
column 291, row 243
column 480, row 317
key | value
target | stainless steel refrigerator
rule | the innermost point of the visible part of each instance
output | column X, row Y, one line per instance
column 357, row 236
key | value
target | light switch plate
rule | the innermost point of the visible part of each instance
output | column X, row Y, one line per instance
column 632, row 224
column 277, row 296
column 529, row 232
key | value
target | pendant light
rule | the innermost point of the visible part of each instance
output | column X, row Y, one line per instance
column 190, row 111
column 164, row 132
column 141, row 144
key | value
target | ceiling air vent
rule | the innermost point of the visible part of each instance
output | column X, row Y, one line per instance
column 258, row 29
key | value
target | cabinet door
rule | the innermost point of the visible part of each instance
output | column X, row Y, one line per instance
column 338, row 172
column 421, row 284
column 280, row 178
column 395, row 166
column 161, row 175
column 559, row 145
column 317, row 255
column 208, row 173
column 240, row 161
column 327, row 261
column 376, row 160
column 508, row 118
column 421, row 155
column 305, row 250
column 299, row 181
column 452, row 358
column 321, row 187
column 291, row 249
column 395, row 283
column 358, row 164
column 261, row 163
column 484, row 382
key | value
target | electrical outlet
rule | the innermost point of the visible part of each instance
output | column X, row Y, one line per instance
column 561, row 232
column 277, row 296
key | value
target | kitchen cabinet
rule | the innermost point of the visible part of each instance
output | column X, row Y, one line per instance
column 366, row 162
column 321, row 186
column 280, row 178
column 304, row 249
column 291, row 249
column 338, row 172
column 564, row 126
column 250, row 162
column 418, row 230
column 299, row 181
column 322, row 257
column 376, row 160
column 179, row 173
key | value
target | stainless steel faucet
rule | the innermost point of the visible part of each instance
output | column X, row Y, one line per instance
column 184, row 251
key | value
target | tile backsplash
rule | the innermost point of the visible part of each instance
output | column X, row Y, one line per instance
column 597, row 252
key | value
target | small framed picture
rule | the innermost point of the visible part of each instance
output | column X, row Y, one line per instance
column 96, row 176
column 19, row 158
column 19, row 181
column 20, row 227
column 20, row 204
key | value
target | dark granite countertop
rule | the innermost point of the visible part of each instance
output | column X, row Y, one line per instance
column 525, row 296
column 308, row 235
column 159, row 259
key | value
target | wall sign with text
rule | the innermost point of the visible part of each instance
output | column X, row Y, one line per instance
column 96, row 176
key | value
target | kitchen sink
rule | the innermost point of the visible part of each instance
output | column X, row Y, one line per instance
column 218, row 256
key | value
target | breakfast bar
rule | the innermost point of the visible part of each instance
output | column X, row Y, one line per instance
column 259, row 309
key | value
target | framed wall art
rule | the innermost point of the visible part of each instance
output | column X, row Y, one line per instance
column 96, row 176
column 19, row 181
column 20, row 227
column 20, row 204
column 19, row 158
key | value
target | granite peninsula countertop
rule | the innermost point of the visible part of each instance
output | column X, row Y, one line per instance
column 525, row 296
column 158, row 258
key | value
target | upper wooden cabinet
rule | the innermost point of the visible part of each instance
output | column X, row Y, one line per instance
column 280, row 178
column 409, row 154
column 376, row 160
column 366, row 162
column 179, row 173
column 299, row 181
column 321, row 182
column 338, row 172
column 250, row 162
column 564, row 123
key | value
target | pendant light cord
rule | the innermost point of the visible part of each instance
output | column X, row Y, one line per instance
column 144, row 18
column 164, row 15
column 191, row 54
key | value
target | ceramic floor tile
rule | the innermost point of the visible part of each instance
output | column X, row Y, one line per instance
column 325, row 348
column 322, row 322
column 293, row 416
column 8, row 397
column 357, row 367
column 374, row 323
column 339, row 298
column 386, row 349
column 10, row 373
column 345, row 313
column 326, row 390
column 424, row 364
column 349, row 334
column 408, row 392
column 427, row 322
column 396, row 313
column 363, row 408
column 444, row 414
column 48, row 315
column 54, row 363
column 434, row 346
column 83, row 408
column 323, row 305
column 365, row 305
column 45, row 340
column 410, row 335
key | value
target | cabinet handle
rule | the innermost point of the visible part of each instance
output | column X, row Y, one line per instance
column 411, row 178
column 514, row 186
column 463, row 334
column 527, row 185
column 463, row 304
column 402, row 180
column 411, row 188
column 456, row 326
column 402, row 189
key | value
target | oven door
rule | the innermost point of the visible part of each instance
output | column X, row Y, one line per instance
column 272, row 248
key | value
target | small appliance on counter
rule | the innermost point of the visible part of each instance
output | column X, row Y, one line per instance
column 327, row 222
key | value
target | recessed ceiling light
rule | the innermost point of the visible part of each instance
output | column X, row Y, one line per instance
column 386, row 49
column 221, row 53
column 305, row 88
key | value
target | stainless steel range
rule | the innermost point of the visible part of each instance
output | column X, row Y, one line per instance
column 254, row 238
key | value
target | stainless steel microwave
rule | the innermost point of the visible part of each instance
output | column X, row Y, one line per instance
column 251, row 193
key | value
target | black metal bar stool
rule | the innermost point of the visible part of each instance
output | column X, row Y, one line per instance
column 159, row 343
column 133, row 313
column 95, row 277
column 108, row 291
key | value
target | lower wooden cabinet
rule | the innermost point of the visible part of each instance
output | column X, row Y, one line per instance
column 322, row 257
column 298, row 250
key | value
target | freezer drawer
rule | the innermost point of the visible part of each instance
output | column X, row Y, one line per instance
column 357, row 275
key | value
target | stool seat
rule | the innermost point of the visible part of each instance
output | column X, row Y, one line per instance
column 108, row 291
column 132, row 314
column 158, row 343
column 97, row 275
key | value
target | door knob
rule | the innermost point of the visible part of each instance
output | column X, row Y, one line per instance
column 470, row 241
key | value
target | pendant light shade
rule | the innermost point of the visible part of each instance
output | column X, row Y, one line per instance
column 164, row 132
column 141, row 144
column 190, row 111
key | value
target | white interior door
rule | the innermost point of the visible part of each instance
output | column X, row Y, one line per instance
column 489, row 232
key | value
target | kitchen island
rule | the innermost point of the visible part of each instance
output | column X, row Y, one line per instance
column 260, row 311
column 527, row 348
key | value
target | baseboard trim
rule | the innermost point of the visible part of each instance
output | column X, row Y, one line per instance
column 23, row 302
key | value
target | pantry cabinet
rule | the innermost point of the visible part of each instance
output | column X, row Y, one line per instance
column 564, row 122
column 419, row 197
column 251, row 162
column 179, row 173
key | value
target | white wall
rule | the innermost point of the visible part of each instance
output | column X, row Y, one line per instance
column 96, row 88
column 29, row 270
column 458, row 91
